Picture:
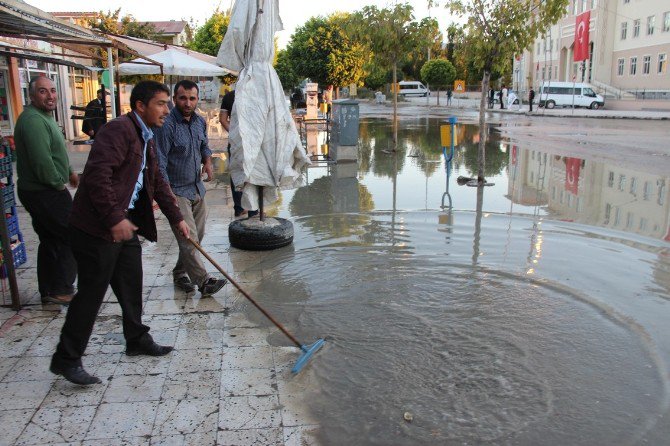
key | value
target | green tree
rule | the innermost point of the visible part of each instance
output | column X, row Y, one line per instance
column 323, row 52
column 285, row 71
column 207, row 38
column 439, row 73
column 375, row 75
column 391, row 34
column 497, row 31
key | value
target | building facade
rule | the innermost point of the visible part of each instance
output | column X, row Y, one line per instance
column 629, row 46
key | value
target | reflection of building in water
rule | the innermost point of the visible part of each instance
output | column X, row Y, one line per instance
column 592, row 193
column 526, row 184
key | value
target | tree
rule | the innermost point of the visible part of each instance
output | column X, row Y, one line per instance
column 438, row 73
column 207, row 39
column 391, row 34
column 497, row 31
column 285, row 71
column 111, row 23
column 323, row 52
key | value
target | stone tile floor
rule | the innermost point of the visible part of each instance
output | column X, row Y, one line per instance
column 223, row 384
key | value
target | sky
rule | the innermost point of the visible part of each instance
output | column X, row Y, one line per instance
column 293, row 12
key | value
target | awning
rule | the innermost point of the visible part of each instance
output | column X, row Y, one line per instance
column 44, row 58
column 21, row 20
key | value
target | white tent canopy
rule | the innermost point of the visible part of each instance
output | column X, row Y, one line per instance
column 265, row 145
column 174, row 62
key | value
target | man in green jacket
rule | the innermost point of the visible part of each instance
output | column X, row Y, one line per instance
column 43, row 170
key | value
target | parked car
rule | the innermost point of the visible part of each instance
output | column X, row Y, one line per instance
column 560, row 94
column 412, row 88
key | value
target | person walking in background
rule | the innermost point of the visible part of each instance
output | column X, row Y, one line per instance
column 328, row 99
column 491, row 97
column 43, row 168
column 224, row 118
column 95, row 115
column 183, row 156
column 449, row 94
column 531, row 98
column 503, row 98
column 112, row 206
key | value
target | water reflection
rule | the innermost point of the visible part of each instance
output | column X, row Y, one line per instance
column 533, row 182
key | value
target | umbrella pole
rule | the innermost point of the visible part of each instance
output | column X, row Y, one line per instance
column 260, row 203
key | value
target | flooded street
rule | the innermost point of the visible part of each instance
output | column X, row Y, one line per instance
column 530, row 312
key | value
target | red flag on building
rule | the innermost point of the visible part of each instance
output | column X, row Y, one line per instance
column 572, row 166
column 581, row 46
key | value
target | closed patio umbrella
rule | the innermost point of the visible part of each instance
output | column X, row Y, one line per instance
column 265, row 145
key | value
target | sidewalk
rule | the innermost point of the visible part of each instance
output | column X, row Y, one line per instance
column 225, row 383
column 650, row 110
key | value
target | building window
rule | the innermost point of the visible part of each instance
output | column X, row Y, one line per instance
column 662, row 63
column 610, row 180
column 651, row 21
column 643, row 224
column 636, row 28
column 666, row 21
column 646, row 192
column 633, row 66
column 646, row 64
column 622, row 182
column 624, row 30
column 575, row 6
column 617, row 216
column 626, row 1
column 556, row 72
column 662, row 191
column 633, row 185
column 629, row 220
column 580, row 205
column 619, row 70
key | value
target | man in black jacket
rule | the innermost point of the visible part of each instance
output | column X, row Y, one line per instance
column 112, row 206
column 95, row 115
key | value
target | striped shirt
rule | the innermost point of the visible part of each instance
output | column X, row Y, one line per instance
column 182, row 146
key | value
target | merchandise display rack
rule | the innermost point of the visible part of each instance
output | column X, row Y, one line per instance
column 10, row 232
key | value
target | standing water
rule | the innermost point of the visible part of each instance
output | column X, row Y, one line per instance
column 531, row 312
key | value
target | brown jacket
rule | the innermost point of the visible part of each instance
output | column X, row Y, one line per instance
column 109, row 178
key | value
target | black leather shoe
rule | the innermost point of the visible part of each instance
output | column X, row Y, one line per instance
column 184, row 284
column 212, row 286
column 75, row 375
column 147, row 346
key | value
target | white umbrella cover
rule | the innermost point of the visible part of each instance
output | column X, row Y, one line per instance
column 174, row 62
column 265, row 145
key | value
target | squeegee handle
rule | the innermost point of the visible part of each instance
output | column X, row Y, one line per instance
column 251, row 299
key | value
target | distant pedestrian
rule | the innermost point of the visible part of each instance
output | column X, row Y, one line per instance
column 500, row 98
column 449, row 94
column 491, row 97
column 531, row 98
column 503, row 100
column 95, row 115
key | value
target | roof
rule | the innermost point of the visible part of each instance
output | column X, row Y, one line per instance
column 19, row 19
column 73, row 14
column 169, row 27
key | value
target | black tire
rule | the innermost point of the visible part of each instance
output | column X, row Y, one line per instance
column 550, row 104
column 249, row 235
column 594, row 106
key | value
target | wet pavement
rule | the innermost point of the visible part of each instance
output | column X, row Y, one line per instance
column 495, row 318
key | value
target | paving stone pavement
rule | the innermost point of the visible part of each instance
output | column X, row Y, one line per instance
column 223, row 384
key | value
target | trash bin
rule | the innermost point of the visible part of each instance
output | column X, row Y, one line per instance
column 345, row 122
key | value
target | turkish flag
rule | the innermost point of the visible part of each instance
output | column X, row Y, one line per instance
column 572, row 166
column 581, row 47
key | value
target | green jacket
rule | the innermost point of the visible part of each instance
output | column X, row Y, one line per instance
column 41, row 156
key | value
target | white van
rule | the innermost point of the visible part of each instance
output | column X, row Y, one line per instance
column 560, row 94
column 412, row 88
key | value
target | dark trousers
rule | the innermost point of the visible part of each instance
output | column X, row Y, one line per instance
column 50, row 212
column 237, row 195
column 100, row 264
column 531, row 105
